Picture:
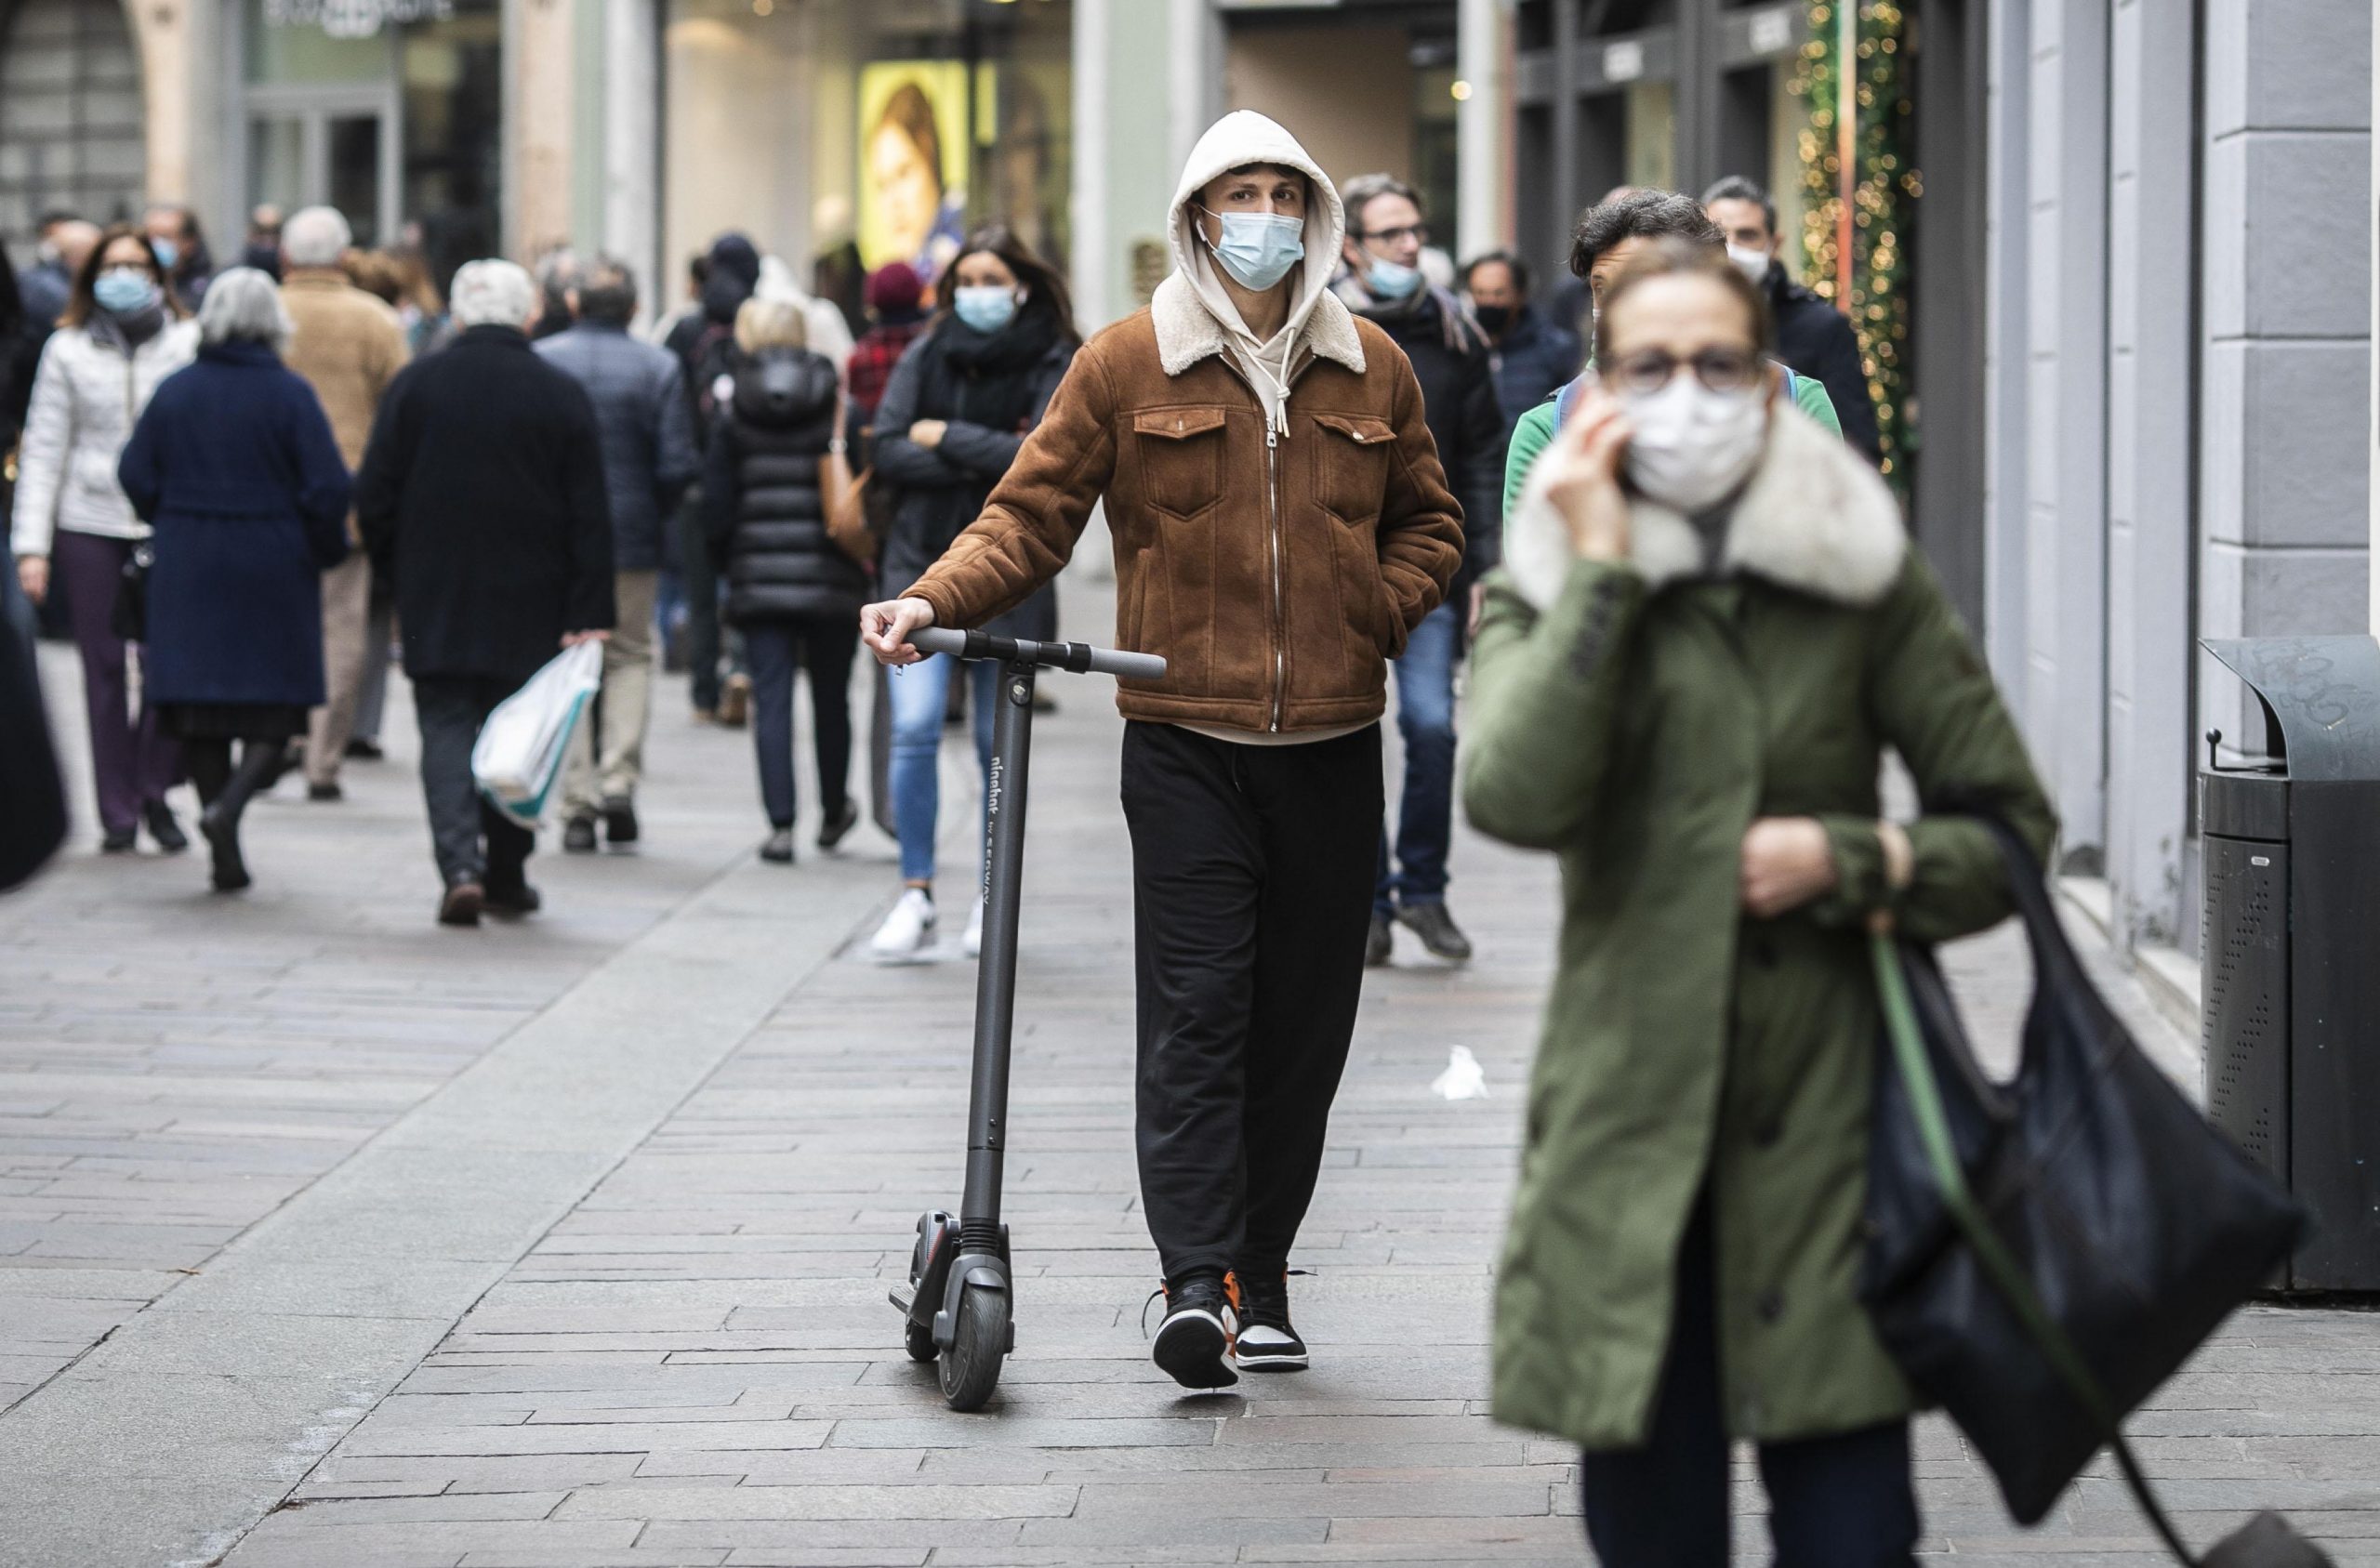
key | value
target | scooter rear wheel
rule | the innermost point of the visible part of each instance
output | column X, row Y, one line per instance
column 970, row 1368
column 917, row 1340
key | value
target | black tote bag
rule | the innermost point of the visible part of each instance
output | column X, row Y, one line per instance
column 2042, row 1254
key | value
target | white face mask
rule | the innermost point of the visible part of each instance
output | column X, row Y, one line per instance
column 1753, row 264
column 1694, row 447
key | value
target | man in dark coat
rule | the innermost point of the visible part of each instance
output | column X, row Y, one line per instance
column 1450, row 357
column 1813, row 338
column 482, row 498
column 647, row 425
column 1534, row 357
column 704, row 341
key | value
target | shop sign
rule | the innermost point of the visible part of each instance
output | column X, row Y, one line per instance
column 354, row 18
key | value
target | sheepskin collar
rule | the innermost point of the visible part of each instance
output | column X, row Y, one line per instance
column 1816, row 517
column 1187, row 332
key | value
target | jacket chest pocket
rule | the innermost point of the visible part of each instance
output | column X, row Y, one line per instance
column 1180, row 453
column 1351, row 465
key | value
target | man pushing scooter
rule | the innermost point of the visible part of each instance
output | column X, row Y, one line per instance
column 1281, row 524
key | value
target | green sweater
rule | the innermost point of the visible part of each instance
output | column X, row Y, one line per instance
column 1537, row 427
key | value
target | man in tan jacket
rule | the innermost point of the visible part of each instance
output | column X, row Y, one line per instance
column 1281, row 525
column 349, row 347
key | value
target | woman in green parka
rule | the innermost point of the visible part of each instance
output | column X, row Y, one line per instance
column 1709, row 627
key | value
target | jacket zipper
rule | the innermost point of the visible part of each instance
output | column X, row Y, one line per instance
column 1273, row 537
column 1280, row 614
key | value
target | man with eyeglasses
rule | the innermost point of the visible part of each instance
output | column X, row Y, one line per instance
column 1451, row 358
column 1609, row 236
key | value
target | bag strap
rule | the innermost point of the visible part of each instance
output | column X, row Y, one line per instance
column 2006, row 1275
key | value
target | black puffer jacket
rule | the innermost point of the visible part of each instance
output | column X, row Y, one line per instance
column 767, row 519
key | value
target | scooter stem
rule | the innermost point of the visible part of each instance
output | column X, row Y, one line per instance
column 979, row 1210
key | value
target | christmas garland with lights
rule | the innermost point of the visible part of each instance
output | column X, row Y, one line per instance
column 1856, row 177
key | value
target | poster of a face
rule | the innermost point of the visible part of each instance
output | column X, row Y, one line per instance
column 913, row 163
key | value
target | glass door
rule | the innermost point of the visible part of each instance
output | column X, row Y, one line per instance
column 333, row 148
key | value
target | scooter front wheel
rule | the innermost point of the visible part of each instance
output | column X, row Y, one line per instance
column 970, row 1368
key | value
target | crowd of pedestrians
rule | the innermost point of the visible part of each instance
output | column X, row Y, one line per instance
column 1688, row 648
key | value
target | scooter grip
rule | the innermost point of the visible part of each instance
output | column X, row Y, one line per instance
column 1128, row 666
column 939, row 640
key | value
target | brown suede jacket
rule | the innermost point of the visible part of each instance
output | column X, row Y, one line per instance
column 1276, row 580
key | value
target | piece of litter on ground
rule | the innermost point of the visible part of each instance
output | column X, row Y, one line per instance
column 1463, row 1079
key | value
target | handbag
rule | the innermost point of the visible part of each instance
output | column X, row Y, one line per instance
column 853, row 508
column 128, row 617
column 2042, row 1254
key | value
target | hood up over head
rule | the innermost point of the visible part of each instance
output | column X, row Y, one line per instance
column 1195, row 317
column 735, row 271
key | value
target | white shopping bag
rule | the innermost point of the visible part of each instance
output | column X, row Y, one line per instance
column 520, row 752
column 1463, row 1079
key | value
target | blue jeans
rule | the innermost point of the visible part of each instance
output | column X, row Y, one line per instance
column 1840, row 1501
column 921, row 696
column 1425, row 815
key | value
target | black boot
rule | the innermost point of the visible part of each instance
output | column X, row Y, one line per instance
column 260, row 765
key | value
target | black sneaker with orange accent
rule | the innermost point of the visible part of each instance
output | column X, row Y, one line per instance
column 1193, row 1344
column 1266, row 1341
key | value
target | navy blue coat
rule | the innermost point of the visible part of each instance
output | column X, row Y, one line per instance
column 233, row 464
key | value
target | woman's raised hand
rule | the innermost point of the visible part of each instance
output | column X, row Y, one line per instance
column 1581, row 476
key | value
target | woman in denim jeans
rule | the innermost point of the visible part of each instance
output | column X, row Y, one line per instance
column 959, row 406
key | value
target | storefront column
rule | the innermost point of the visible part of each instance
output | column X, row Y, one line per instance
column 169, row 63
column 1124, row 165
column 1482, row 127
column 631, row 142
column 539, row 53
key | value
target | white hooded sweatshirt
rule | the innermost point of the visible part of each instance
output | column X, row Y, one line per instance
column 1318, row 322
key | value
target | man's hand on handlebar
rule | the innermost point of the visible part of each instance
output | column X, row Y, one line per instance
column 886, row 627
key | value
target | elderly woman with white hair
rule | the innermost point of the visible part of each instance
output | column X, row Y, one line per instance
column 234, row 468
column 482, row 497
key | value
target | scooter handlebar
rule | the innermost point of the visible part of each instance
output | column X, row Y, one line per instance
column 1079, row 657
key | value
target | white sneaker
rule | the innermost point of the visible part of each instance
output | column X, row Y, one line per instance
column 975, row 932
column 905, row 930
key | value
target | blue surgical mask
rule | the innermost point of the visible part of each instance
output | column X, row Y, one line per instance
column 1390, row 280
column 167, row 253
column 1258, row 248
column 986, row 308
column 122, row 290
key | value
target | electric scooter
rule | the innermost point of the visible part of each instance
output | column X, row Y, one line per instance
column 959, row 1307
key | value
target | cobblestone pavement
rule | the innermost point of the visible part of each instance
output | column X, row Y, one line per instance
column 327, row 1237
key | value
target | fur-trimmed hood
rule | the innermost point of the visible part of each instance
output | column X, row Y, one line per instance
column 1815, row 518
column 1184, row 309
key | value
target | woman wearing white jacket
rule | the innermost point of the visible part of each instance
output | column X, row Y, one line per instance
column 123, row 332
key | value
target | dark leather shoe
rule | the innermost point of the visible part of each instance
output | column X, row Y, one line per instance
column 1380, row 945
column 119, row 841
column 1437, row 930
column 365, row 751
column 462, row 904
column 832, row 831
column 328, row 790
column 578, row 835
column 619, row 820
column 515, row 898
column 164, row 828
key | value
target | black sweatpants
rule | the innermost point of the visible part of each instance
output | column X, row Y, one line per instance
column 1252, row 871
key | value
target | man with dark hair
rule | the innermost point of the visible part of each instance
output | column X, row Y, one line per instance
column 1610, row 235
column 1382, row 282
column 1814, row 338
column 645, row 430
column 1533, row 356
column 182, row 250
column 45, row 287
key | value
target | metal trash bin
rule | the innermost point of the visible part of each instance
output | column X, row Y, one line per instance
column 2292, row 948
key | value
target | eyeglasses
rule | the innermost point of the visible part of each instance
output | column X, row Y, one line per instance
column 1721, row 370
column 1417, row 232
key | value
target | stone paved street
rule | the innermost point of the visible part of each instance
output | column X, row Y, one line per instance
column 333, row 1238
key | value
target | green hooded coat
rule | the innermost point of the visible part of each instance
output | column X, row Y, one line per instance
column 1636, row 716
